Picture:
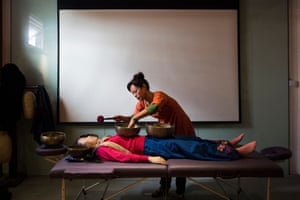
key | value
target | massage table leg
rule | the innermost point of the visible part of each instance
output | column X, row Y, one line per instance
column 125, row 188
column 130, row 186
column 63, row 189
column 268, row 188
column 53, row 159
column 105, row 190
column 202, row 185
column 85, row 189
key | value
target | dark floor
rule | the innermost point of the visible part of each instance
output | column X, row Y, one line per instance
column 44, row 188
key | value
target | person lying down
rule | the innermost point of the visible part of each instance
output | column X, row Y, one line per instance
column 155, row 150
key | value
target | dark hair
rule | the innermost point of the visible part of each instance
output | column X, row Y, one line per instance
column 138, row 80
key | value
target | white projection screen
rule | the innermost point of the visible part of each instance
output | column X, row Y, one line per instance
column 191, row 54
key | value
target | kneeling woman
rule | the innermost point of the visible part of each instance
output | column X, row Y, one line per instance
column 155, row 150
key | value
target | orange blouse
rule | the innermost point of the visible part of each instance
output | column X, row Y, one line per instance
column 169, row 111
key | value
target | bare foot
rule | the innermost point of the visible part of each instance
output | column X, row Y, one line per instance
column 247, row 148
column 237, row 139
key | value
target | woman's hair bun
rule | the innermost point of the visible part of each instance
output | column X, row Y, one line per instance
column 139, row 75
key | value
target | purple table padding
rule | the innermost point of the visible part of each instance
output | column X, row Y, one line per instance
column 106, row 169
column 254, row 165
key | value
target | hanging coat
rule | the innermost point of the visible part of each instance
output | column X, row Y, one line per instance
column 43, row 118
column 12, row 85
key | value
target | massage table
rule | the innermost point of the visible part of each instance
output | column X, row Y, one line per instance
column 254, row 165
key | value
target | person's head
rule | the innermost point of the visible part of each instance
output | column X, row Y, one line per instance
column 88, row 140
column 138, row 86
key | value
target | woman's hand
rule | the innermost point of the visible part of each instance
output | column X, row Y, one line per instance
column 131, row 122
column 121, row 118
column 157, row 160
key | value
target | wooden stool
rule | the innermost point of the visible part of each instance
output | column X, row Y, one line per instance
column 51, row 154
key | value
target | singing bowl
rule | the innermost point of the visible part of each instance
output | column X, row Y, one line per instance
column 123, row 130
column 77, row 151
column 160, row 130
column 52, row 138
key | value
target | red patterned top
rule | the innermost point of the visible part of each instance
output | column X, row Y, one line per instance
column 169, row 111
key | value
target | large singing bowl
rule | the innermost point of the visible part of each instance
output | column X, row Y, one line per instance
column 77, row 151
column 123, row 130
column 160, row 130
column 52, row 138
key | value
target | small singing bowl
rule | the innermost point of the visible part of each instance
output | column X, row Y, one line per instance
column 123, row 130
column 78, row 151
column 52, row 138
column 159, row 130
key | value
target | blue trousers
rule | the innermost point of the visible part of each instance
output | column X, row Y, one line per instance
column 190, row 148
